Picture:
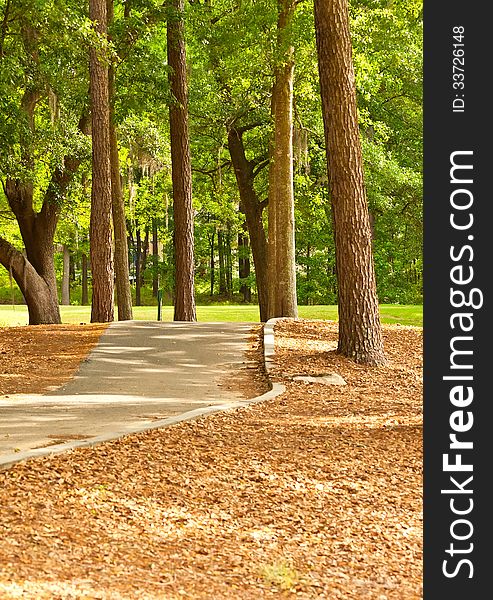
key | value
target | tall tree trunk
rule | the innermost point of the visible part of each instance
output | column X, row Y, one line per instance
column 122, row 274
column 253, row 208
column 100, row 233
column 360, row 335
column 181, row 172
column 85, row 287
column 282, row 293
column 66, row 277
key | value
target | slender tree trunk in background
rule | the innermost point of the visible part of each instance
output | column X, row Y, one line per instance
column 308, row 253
column 144, row 255
column 138, row 263
column 253, row 208
column 122, row 274
column 229, row 265
column 72, row 269
column 100, row 233
column 222, row 263
column 244, row 263
column 155, row 259
column 181, row 171
column 212, row 261
column 85, row 287
column 282, row 292
column 360, row 335
column 66, row 277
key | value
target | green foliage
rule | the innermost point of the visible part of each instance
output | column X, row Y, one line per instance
column 232, row 55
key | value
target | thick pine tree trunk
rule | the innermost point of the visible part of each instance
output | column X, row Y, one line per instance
column 360, row 335
column 281, row 248
column 100, row 234
column 181, row 171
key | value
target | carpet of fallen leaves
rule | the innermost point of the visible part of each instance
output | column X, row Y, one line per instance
column 37, row 359
column 316, row 494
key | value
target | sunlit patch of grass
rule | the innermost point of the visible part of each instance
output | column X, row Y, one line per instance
column 390, row 313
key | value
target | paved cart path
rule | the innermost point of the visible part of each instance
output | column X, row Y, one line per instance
column 139, row 372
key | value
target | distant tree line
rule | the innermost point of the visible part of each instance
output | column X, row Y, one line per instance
column 215, row 149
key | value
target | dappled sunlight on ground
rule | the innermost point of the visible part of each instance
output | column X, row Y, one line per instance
column 314, row 495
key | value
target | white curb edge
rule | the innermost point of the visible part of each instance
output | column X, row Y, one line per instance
column 277, row 389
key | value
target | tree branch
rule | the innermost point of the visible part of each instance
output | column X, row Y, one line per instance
column 212, row 171
column 259, row 166
column 13, row 260
column 245, row 128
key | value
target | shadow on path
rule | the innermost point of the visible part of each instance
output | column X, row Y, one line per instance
column 139, row 372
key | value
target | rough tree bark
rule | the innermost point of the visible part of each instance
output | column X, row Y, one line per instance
column 37, row 293
column 360, row 335
column 245, row 172
column 281, row 232
column 181, row 171
column 100, row 234
column 122, row 273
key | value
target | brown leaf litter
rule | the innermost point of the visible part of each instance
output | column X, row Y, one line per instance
column 36, row 359
column 315, row 494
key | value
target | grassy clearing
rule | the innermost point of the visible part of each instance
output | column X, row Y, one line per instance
column 390, row 313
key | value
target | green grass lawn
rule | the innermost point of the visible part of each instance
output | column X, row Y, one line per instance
column 390, row 313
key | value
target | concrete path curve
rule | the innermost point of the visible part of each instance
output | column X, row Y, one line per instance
column 140, row 372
